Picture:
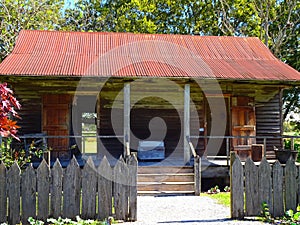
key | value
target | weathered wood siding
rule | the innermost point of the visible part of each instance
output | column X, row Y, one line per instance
column 31, row 114
column 269, row 122
column 29, row 90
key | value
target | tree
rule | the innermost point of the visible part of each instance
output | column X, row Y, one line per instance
column 275, row 22
column 8, row 103
column 117, row 16
column 9, row 151
column 24, row 14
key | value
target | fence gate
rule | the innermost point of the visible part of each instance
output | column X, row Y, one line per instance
column 273, row 184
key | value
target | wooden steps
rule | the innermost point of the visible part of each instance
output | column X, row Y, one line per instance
column 165, row 180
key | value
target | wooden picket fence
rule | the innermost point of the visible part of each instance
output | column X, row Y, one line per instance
column 91, row 193
column 251, row 185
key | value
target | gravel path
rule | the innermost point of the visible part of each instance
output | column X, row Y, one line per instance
column 188, row 210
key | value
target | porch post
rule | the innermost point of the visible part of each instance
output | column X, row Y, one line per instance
column 126, row 125
column 186, row 128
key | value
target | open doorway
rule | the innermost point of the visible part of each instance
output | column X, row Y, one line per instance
column 84, row 126
column 89, row 133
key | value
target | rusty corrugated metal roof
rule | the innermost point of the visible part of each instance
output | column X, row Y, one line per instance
column 56, row 53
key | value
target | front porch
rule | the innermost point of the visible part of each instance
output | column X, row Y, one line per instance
column 214, row 168
column 263, row 147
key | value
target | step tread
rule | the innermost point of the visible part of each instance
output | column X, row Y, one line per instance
column 165, row 174
column 165, row 192
column 168, row 183
column 158, row 180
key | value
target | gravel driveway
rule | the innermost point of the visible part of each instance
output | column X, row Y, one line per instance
column 178, row 210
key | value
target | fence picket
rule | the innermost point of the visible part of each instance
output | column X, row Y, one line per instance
column 278, row 209
column 56, row 190
column 251, row 188
column 237, row 189
column 265, row 184
column 89, row 189
column 71, row 190
column 28, row 186
column 121, row 189
column 13, row 187
column 65, row 187
column 43, row 188
column 3, row 194
column 298, row 184
column 290, row 185
column 132, row 166
column 105, row 180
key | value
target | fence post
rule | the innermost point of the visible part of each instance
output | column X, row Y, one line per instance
column 197, row 175
column 251, row 188
column 3, row 194
column 56, row 190
column 89, row 189
column 71, row 190
column 13, row 187
column 227, row 151
column 290, row 185
column 28, row 194
column 43, row 188
column 121, row 189
column 237, row 187
column 265, row 184
column 132, row 165
column 105, row 181
column 278, row 190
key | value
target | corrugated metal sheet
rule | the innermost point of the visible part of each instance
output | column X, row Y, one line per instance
column 54, row 53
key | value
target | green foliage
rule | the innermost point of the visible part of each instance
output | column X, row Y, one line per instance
column 67, row 221
column 23, row 14
column 10, row 155
column 276, row 23
column 265, row 213
column 32, row 221
column 290, row 217
column 214, row 190
column 227, row 189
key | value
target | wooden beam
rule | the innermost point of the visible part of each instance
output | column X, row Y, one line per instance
column 186, row 126
column 126, row 117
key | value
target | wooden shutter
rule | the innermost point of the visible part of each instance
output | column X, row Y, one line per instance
column 243, row 124
column 56, row 120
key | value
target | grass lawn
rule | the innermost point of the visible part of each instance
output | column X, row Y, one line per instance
column 90, row 145
column 222, row 197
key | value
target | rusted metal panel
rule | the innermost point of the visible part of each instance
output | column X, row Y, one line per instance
column 55, row 53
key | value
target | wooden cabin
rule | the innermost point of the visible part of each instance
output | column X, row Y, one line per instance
column 155, row 87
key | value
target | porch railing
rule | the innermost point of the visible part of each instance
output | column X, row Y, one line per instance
column 264, row 139
column 194, row 153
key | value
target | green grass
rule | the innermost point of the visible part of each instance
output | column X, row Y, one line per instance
column 221, row 198
column 91, row 145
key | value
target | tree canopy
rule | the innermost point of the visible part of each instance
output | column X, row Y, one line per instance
column 275, row 22
column 26, row 14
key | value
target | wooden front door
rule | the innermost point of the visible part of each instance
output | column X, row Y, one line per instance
column 243, row 124
column 56, row 120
